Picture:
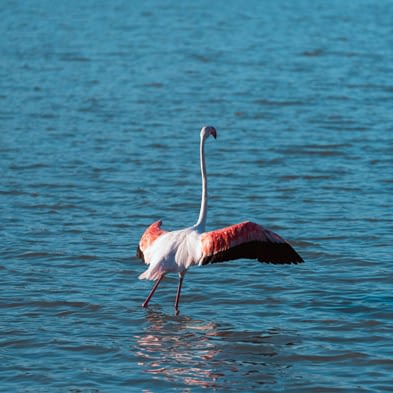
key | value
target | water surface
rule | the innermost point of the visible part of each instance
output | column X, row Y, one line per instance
column 100, row 110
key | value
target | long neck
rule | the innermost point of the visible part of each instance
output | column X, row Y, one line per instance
column 201, row 223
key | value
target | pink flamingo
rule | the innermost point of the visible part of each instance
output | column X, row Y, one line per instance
column 176, row 251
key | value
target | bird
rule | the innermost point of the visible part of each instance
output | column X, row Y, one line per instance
column 176, row 251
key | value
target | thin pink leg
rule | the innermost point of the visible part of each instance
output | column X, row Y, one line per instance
column 146, row 302
column 181, row 276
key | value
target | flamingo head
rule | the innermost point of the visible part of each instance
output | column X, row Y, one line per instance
column 207, row 131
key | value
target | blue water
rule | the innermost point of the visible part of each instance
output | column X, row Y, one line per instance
column 101, row 104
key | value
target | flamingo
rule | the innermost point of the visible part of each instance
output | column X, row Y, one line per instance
column 176, row 251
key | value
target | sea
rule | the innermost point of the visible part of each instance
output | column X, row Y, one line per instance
column 101, row 105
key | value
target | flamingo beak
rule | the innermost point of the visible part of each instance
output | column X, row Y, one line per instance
column 213, row 133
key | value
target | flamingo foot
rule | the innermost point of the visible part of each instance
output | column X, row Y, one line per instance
column 146, row 302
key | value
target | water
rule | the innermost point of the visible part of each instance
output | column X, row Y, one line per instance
column 101, row 105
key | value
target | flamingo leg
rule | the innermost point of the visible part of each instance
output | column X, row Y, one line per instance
column 181, row 277
column 146, row 302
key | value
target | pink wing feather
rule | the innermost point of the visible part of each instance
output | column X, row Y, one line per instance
column 148, row 238
column 246, row 240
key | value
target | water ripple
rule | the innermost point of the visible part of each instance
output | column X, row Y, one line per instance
column 101, row 108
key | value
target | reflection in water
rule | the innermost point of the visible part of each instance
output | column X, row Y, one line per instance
column 197, row 353
column 178, row 348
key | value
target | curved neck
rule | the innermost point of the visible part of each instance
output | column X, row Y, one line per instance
column 201, row 223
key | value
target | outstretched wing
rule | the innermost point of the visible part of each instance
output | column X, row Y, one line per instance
column 247, row 240
column 149, row 236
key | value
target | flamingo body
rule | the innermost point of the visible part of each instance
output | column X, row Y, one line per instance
column 176, row 251
column 172, row 252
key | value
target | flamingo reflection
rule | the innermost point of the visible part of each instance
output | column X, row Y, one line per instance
column 182, row 350
column 178, row 350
